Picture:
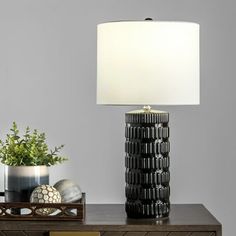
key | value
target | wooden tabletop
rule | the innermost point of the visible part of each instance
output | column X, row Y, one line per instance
column 180, row 214
column 183, row 217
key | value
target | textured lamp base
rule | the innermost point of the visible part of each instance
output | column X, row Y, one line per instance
column 147, row 164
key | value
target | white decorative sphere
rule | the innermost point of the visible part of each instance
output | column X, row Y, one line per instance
column 69, row 191
column 45, row 194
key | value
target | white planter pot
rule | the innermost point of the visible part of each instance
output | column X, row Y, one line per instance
column 20, row 181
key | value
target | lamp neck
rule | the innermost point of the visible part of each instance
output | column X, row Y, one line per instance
column 147, row 108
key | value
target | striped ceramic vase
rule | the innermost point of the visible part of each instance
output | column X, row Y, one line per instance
column 20, row 181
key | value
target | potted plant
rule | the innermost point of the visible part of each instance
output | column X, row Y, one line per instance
column 26, row 159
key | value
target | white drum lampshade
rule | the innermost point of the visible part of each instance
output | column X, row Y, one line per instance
column 147, row 63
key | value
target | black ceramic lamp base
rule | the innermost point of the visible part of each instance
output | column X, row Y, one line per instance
column 147, row 164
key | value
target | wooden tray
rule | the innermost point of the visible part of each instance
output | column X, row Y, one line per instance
column 31, row 211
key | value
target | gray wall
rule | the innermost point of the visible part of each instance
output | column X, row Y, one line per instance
column 48, row 81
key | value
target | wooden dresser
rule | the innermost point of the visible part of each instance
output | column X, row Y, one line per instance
column 111, row 220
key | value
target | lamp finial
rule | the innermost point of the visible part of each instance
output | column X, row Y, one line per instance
column 148, row 18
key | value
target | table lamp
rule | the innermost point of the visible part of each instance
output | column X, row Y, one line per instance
column 147, row 63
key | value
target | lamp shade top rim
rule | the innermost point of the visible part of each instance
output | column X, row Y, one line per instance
column 148, row 22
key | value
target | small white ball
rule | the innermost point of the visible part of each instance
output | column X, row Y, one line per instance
column 45, row 194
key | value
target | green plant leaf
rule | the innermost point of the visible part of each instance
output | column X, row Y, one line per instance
column 29, row 149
